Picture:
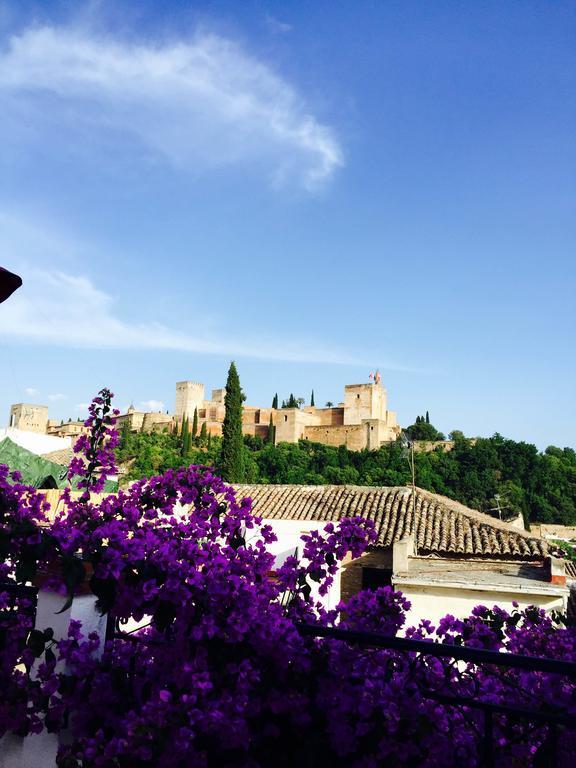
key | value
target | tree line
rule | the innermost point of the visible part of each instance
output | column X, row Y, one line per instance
column 495, row 475
column 540, row 485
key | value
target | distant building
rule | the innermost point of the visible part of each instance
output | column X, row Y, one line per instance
column 66, row 429
column 145, row 421
column 361, row 421
column 29, row 417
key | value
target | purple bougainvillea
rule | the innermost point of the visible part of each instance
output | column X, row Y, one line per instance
column 220, row 675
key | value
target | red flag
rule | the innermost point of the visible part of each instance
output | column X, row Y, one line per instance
column 9, row 282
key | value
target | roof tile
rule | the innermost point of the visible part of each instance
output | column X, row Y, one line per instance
column 439, row 524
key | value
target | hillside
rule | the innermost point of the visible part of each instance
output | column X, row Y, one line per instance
column 540, row 485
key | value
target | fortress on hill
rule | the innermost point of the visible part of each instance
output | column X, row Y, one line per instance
column 361, row 421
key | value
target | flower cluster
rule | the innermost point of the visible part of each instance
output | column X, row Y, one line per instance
column 95, row 459
column 218, row 672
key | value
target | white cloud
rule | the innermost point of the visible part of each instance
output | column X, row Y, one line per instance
column 31, row 391
column 276, row 26
column 81, row 407
column 59, row 309
column 57, row 398
column 199, row 103
column 152, row 405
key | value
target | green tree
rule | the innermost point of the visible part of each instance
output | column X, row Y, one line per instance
column 195, row 424
column 124, row 435
column 427, row 418
column 421, row 430
column 231, row 465
column 312, row 404
column 275, row 401
column 186, row 443
column 203, row 433
column 271, row 430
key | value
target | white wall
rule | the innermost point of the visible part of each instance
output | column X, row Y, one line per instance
column 288, row 533
column 435, row 602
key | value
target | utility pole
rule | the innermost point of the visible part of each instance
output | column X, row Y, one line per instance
column 408, row 446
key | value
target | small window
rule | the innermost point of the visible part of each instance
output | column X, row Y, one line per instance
column 373, row 578
column 357, row 397
column 371, row 429
column 285, row 418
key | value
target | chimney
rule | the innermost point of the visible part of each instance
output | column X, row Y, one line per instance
column 557, row 571
column 402, row 551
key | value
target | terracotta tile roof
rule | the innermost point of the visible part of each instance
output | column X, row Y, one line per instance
column 62, row 456
column 439, row 524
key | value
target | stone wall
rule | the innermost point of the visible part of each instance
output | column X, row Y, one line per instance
column 327, row 417
column 353, row 437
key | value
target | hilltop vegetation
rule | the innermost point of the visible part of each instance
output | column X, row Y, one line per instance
column 540, row 485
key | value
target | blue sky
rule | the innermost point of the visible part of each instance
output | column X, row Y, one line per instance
column 312, row 189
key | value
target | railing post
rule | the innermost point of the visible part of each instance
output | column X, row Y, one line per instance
column 488, row 742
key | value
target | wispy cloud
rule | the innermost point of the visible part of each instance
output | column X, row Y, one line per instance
column 199, row 103
column 31, row 391
column 276, row 26
column 152, row 405
column 59, row 309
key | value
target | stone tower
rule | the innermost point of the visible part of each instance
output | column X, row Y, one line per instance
column 189, row 396
column 364, row 401
column 32, row 418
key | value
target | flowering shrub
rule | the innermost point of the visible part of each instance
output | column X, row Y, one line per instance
column 219, row 674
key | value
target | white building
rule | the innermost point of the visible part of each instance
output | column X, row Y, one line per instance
column 444, row 557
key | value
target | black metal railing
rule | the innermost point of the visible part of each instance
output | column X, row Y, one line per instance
column 516, row 712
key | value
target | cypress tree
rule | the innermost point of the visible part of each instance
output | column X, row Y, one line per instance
column 124, row 434
column 271, row 430
column 195, row 423
column 312, row 403
column 427, row 418
column 203, row 432
column 232, row 456
column 275, row 401
column 185, row 445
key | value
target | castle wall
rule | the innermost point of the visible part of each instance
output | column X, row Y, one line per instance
column 353, row 436
column 291, row 424
column 156, row 422
column 218, row 395
column 134, row 419
column 331, row 417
